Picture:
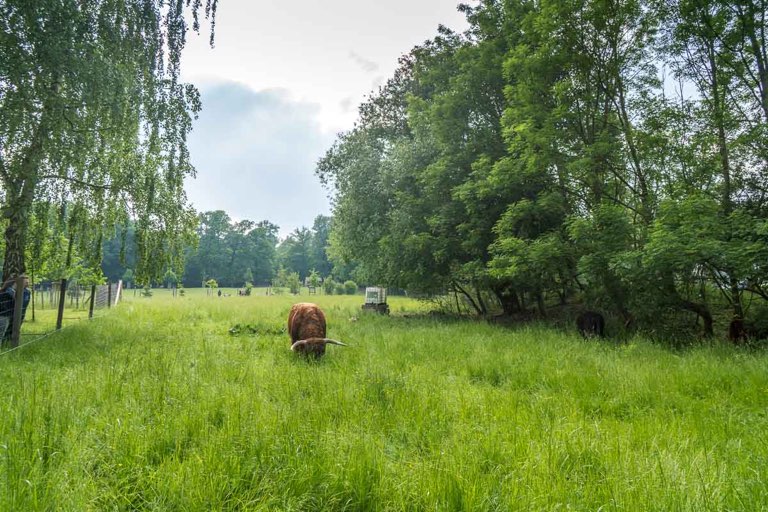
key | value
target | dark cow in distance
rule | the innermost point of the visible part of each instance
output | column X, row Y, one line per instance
column 306, row 326
column 590, row 324
column 742, row 331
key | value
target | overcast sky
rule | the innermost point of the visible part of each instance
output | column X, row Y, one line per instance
column 283, row 79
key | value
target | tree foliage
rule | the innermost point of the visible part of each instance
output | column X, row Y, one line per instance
column 618, row 159
column 231, row 252
column 94, row 121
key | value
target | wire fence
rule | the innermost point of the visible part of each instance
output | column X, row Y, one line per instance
column 48, row 306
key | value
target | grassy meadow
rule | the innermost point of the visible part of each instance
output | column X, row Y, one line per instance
column 156, row 406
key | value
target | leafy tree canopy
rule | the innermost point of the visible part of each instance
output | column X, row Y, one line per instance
column 94, row 119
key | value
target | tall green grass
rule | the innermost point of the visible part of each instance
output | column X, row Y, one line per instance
column 157, row 407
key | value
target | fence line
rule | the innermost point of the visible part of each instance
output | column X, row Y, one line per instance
column 47, row 297
column 20, row 345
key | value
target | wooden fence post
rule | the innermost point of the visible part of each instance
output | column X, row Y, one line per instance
column 109, row 294
column 62, row 300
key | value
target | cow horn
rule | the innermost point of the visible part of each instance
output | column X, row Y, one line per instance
column 326, row 341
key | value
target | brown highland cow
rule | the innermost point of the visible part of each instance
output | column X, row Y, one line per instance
column 306, row 326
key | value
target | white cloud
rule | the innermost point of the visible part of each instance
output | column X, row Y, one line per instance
column 323, row 52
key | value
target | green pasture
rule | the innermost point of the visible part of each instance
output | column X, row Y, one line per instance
column 154, row 405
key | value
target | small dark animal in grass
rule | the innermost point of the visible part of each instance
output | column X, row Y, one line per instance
column 737, row 331
column 742, row 331
column 591, row 324
column 306, row 326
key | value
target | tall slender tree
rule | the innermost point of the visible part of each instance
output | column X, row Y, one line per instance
column 92, row 110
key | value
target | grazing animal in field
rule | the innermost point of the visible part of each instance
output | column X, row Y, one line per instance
column 737, row 331
column 742, row 331
column 306, row 326
column 591, row 324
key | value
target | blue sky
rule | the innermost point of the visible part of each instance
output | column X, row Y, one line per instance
column 283, row 79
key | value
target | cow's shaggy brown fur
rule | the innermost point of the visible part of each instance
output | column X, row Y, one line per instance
column 306, row 326
column 306, row 320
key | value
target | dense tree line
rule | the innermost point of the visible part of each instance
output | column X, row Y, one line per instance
column 233, row 253
column 230, row 252
column 612, row 153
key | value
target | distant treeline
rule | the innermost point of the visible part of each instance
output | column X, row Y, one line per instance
column 613, row 154
column 234, row 253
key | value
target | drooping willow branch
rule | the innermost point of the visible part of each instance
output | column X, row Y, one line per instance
column 83, row 183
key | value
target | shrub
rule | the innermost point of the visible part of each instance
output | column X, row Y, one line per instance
column 314, row 279
column 339, row 289
column 350, row 287
column 329, row 286
column 294, row 283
